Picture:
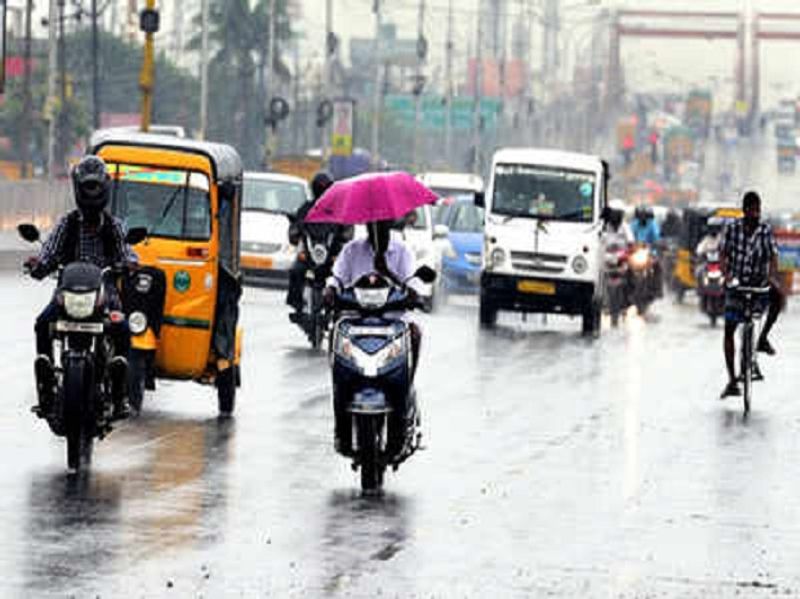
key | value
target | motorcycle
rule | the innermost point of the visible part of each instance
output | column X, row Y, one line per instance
column 372, row 366
column 711, row 287
column 84, row 371
column 641, row 262
column 617, row 272
column 314, row 318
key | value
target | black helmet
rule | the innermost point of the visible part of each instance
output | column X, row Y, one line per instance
column 641, row 213
column 320, row 184
column 90, row 181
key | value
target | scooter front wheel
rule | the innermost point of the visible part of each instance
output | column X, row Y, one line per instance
column 369, row 434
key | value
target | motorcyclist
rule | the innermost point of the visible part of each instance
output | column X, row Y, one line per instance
column 616, row 231
column 750, row 256
column 382, row 253
column 297, row 274
column 88, row 233
column 646, row 230
column 712, row 239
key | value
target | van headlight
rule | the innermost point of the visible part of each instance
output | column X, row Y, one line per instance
column 497, row 257
column 580, row 265
column 137, row 323
column 79, row 305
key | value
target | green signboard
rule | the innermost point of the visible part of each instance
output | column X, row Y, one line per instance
column 433, row 109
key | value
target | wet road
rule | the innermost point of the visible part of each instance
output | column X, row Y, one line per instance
column 555, row 466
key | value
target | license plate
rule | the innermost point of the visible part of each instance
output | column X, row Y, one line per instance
column 537, row 287
column 65, row 326
column 256, row 262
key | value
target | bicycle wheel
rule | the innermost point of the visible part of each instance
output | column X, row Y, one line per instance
column 747, row 365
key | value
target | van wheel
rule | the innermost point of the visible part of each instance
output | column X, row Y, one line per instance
column 488, row 313
column 226, row 391
column 592, row 320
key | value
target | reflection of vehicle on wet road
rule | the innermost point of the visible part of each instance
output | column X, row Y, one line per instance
column 269, row 202
column 543, row 251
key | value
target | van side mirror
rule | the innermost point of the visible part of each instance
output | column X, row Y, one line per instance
column 441, row 231
column 480, row 199
column 28, row 232
column 136, row 235
column 605, row 215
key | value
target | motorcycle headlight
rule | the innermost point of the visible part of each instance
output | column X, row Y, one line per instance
column 79, row 305
column 580, row 265
column 137, row 323
column 640, row 257
column 319, row 254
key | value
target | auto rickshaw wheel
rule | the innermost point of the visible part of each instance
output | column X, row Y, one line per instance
column 226, row 391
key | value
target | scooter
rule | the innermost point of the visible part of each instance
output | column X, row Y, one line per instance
column 314, row 318
column 642, row 267
column 711, row 287
column 82, row 375
column 371, row 357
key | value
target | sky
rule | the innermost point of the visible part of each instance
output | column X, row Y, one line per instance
column 649, row 64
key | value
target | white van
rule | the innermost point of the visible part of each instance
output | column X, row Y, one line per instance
column 542, row 245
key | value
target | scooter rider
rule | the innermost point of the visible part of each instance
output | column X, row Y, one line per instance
column 381, row 253
column 646, row 230
column 711, row 242
column 297, row 274
column 89, row 234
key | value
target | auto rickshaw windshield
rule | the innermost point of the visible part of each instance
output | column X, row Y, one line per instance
column 169, row 203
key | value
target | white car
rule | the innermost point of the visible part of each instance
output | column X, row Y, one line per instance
column 452, row 184
column 423, row 238
column 269, row 199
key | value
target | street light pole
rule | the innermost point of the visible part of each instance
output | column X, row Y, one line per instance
column 27, row 100
column 377, row 96
column 448, row 124
column 147, row 75
column 418, row 85
column 270, row 58
column 204, row 70
column 328, row 75
column 51, row 89
column 62, row 73
column 95, row 70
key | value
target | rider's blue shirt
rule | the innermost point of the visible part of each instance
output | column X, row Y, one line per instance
column 648, row 233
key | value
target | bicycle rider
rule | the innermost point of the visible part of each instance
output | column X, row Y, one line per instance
column 750, row 256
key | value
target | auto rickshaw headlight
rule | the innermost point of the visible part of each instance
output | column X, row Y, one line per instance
column 137, row 323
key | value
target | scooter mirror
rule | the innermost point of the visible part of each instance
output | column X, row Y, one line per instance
column 425, row 274
column 136, row 235
column 28, row 232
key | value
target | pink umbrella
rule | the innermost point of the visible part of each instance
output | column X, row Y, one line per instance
column 371, row 197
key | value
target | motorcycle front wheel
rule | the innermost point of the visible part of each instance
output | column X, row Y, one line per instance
column 77, row 416
column 369, row 434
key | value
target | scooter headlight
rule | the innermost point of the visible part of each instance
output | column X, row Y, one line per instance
column 319, row 253
column 79, row 305
column 137, row 323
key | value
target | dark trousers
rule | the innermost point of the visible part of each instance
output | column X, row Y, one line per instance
column 297, row 281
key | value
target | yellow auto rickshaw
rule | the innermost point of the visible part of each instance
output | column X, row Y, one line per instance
column 183, row 302
column 692, row 232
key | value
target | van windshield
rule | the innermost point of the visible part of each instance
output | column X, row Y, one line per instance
column 169, row 203
column 530, row 191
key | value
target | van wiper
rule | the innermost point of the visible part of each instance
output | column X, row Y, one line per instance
column 167, row 208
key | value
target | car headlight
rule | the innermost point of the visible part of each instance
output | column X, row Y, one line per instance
column 79, row 305
column 137, row 323
column 580, row 265
column 497, row 257
column 450, row 251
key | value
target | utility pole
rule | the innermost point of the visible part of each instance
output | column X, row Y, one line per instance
column 204, row 15
column 27, row 99
column 448, row 123
column 268, row 138
column 418, row 80
column 51, row 89
column 95, row 69
column 377, row 97
column 477, row 119
column 62, row 74
column 328, row 75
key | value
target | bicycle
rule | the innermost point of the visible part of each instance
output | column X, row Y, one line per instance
column 752, row 299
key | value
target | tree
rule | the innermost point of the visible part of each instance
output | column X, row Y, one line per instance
column 239, row 36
